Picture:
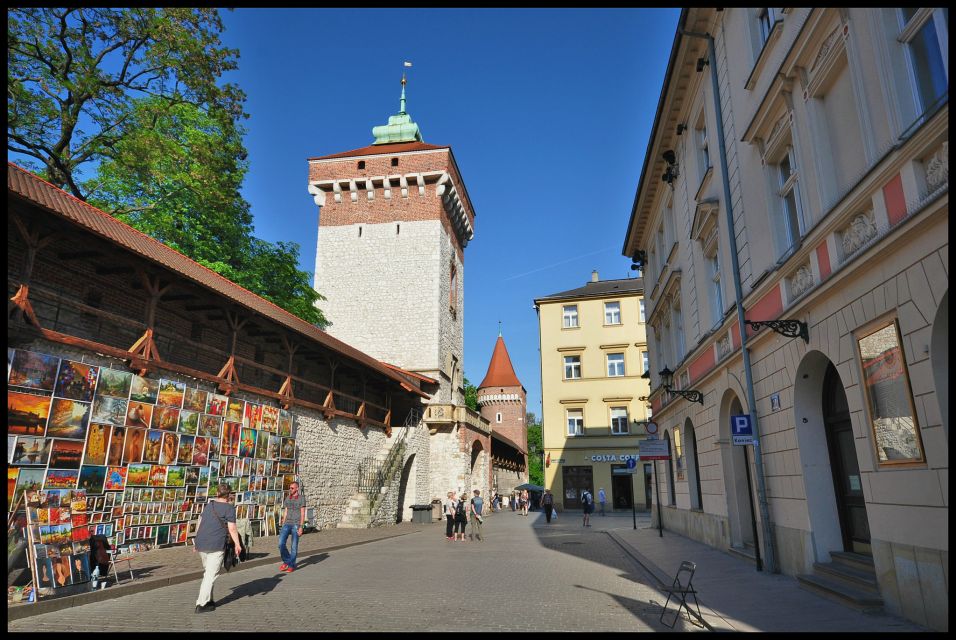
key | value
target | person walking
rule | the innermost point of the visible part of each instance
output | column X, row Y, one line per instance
column 514, row 500
column 524, row 502
column 587, row 506
column 461, row 518
column 547, row 504
column 217, row 522
column 293, row 517
column 449, row 515
column 602, row 499
column 476, row 507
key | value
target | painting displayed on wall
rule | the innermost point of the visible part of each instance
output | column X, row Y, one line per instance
column 144, row 390
column 92, row 479
column 247, row 443
column 107, row 410
column 31, row 450
column 166, row 418
column 185, row 449
column 114, row 383
column 230, row 439
column 217, row 404
column 234, row 409
column 171, row 393
column 68, row 419
column 66, row 454
column 251, row 416
column 33, row 370
column 61, row 479
column 188, row 422
column 890, row 400
column 115, row 479
column 152, row 446
column 194, row 400
column 137, row 475
column 285, row 423
column 269, row 419
column 209, row 425
column 76, row 381
column 169, row 449
column 200, row 451
column 133, row 448
column 27, row 413
column 139, row 414
column 262, row 444
column 176, row 476
column 114, row 453
column 97, row 439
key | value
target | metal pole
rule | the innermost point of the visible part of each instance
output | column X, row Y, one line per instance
column 657, row 484
column 738, row 294
column 753, row 516
column 634, row 498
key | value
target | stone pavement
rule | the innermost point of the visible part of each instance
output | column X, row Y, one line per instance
column 733, row 595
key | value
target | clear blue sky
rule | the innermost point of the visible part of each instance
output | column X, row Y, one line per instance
column 547, row 111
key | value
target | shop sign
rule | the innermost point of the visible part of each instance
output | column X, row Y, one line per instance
column 611, row 457
column 654, row 450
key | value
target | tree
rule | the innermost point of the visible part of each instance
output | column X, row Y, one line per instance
column 471, row 396
column 135, row 94
column 535, row 450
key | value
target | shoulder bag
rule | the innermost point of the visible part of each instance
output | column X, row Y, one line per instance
column 229, row 559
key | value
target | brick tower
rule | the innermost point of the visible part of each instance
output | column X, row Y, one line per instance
column 502, row 399
column 394, row 222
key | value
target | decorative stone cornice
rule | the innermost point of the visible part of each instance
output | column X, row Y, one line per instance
column 861, row 230
column 937, row 167
column 801, row 281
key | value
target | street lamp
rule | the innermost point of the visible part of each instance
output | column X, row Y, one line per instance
column 667, row 377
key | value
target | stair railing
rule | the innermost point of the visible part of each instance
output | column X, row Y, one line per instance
column 373, row 476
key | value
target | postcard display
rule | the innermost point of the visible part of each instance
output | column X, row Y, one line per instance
column 104, row 451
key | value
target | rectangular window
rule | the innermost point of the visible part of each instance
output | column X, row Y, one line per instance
column 765, row 19
column 791, row 210
column 453, row 290
column 570, row 314
column 572, row 367
column 619, row 423
column 498, row 417
column 716, row 299
column 923, row 30
column 703, row 149
column 645, row 362
column 612, row 313
column 642, row 318
column 678, row 335
column 615, row 365
column 678, row 454
column 575, row 422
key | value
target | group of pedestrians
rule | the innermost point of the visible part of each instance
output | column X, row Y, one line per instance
column 459, row 512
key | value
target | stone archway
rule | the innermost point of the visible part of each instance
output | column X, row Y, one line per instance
column 939, row 355
column 734, row 459
column 406, row 497
column 478, row 469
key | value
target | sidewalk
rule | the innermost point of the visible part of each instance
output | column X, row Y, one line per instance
column 733, row 595
column 164, row 567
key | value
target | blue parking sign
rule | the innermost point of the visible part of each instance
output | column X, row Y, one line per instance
column 742, row 429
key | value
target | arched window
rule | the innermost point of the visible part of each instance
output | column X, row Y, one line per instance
column 679, row 453
column 671, row 495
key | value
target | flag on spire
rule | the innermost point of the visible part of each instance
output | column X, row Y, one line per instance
column 407, row 63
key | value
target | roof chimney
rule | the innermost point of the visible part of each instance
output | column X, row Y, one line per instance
column 594, row 276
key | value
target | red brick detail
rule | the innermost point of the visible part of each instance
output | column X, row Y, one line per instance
column 823, row 260
column 768, row 307
column 895, row 200
column 735, row 335
column 704, row 363
column 656, row 405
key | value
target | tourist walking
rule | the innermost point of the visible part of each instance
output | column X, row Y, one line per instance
column 461, row 518
column 449, row 515
column 293, row 518
column 602, row 499
column 524, row 502
column 217, row 522
column 587, row 506
column 476, row 507
column 547, row 504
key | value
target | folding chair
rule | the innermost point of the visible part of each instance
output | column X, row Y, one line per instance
column 117, row 556
column 680, row 589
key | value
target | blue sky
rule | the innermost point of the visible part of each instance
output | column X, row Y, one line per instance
column 547, row 111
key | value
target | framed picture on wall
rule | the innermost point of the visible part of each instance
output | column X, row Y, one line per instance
column 889, row 399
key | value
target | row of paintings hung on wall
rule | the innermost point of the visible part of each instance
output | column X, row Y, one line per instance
column 132, row 443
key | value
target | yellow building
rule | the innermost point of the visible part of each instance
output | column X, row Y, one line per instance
column 593, row 353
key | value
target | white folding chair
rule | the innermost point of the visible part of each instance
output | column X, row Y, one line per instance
column 119, row 556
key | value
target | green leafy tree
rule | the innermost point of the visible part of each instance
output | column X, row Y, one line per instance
column 471, row 396
column 535, row 450
column 134, row 94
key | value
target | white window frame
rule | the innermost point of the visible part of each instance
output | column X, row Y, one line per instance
column 570, row 366
column 787, row 187
column 610, row 311
column 765, row 21
column 498, row 417
column 909, row 30
column 716, row 297
column 703, row 147
column 645, row 361
column 678, row 333
column 569, row 314
column 575, row 428
column 615, row 369
column 620, row 425
column 641, row 318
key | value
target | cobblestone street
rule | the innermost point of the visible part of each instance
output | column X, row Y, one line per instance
column 525, row 576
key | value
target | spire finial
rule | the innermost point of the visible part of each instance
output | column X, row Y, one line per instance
column 404, row 82
column 499, row 328
column 400, row 127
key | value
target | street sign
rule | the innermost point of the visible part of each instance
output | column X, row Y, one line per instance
column 742, row 430
column 654, row 449
column 631, row 466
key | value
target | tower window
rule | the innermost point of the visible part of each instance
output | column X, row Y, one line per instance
column 394, row 162
column 398, row 229
column 498, row 417
column 360, row 232
column 361, row 164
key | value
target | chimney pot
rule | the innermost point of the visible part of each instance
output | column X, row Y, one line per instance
column 594, row 276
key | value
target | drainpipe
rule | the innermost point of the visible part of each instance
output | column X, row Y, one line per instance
column 738, row 293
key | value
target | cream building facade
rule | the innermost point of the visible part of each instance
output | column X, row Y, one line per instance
column 593, row 354
column 835, row 169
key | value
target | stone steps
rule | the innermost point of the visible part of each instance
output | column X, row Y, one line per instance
column 850, row 579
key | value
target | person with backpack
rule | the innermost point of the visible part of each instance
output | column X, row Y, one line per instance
column 587, row 503
column 461, row 518
column 476, row 506
column 547, row 504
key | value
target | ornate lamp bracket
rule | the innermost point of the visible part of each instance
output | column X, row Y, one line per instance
column 788, row 328
column 691, row 395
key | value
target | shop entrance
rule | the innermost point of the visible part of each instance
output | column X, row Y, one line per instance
column 576, row 480
column 622, row 487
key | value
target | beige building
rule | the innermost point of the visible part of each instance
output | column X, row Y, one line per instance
column 828, row 195
column 593, row 353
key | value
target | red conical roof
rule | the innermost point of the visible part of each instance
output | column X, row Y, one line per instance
column 500, row 372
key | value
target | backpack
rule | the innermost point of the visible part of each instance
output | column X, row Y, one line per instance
column 586, row 498
column 548, row 499
column 460, row 509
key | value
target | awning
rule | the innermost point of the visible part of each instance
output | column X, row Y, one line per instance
column 530, row 487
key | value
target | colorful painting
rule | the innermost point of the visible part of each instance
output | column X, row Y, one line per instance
column 76, row 381
column 80, row 568
column 171, row 393
column 234, row 409
column 195, row 400
column 188, row 422
column 114, row 383
column 114, row 454
column 61, row 478
column 285, row 423
column 203, row 480
column 210, row 425
column 152, row 447
column 34, row 370
column 144, row 390
column 201, row 451
column 272, row 452
column 138, row 475
column 68, row 419
column 262, row 444
column 66, row 454
column 176, row 476
column 213, row 448
column 31, row 450
column 115, row 479
column 133, row 449
column 247, row 443
column 139, row 414
column 269, row 420
column 97, row 439
column 12, row 475
column 108, row 410
column 287, row 449
column 27, row 413
column 166, row 418
column 169, row 449
column 217, row 404
column 185, row 455
column 250, row 419
column 157, row 476
column 92, row 479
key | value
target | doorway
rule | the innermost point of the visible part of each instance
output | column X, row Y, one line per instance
column 622, row 487
column 847, row 481
column 647, row 485
column 576, row 480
